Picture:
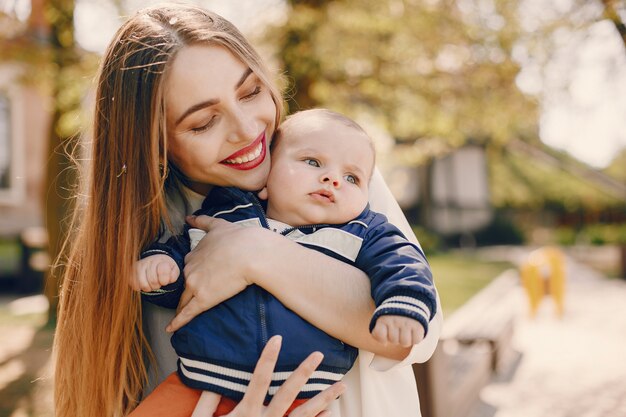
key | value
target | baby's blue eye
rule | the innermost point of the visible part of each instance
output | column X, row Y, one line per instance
column 312, row 162
column 351, row 179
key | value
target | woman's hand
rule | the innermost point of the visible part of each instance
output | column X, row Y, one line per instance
column 214, row 270
column 252, row 403
column 315, row 286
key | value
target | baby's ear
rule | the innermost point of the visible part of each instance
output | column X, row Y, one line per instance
column 263, row 194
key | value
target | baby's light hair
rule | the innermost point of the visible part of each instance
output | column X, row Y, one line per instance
column 299, row 123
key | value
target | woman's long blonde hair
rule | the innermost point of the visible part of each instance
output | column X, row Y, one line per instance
column 100, row 348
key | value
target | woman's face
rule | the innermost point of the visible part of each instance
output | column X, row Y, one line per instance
column 220, row 119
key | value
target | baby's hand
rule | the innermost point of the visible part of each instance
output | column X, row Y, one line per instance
column 398, row 330
column 154, row 272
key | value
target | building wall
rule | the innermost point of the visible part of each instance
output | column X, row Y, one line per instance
column 21, row 203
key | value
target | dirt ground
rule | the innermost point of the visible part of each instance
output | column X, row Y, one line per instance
column 569, row 367
column 25, row 358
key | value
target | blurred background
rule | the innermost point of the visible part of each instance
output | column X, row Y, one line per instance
column 500, row 126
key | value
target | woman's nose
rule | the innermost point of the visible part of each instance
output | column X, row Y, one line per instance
column 243, row 128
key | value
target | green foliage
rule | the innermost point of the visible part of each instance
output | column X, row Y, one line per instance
column 521, row 180
column 617, row 168
column 10, row 255
column 501, row 231
column 459, row 276
column 426, row 69
column 429, row 241
column 565, row 236
column 594, row 234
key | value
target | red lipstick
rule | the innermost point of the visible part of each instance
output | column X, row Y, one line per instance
column 248, row 151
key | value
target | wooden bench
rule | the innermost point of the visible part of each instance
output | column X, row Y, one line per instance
column 487, row 317
column 450, row 382
column 476, row 342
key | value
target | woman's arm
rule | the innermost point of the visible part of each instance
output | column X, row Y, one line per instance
column 328, row 293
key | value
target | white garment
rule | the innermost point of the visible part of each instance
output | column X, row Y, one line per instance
column 376, row 386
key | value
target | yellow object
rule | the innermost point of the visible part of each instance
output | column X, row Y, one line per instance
column 544, row 274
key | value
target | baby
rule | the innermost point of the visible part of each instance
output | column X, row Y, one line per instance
column 316, row 195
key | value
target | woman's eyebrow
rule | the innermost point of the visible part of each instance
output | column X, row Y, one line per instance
column 195, row 108
column 244, row 77
column 212, row 101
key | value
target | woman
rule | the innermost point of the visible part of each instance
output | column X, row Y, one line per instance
column 184, row 103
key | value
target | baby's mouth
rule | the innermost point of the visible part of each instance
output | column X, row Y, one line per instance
column 323, row 195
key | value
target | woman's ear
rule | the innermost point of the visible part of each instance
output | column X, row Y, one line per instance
column 263, row 194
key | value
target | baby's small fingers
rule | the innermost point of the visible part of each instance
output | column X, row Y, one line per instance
column 142, row 278
column 165, row 272
column 393, row 335
column 417, row 334
column 143, row 283
column 152, row 276
column 135, row 281
column 406, row 337
column 174, row 273
column 380, row 332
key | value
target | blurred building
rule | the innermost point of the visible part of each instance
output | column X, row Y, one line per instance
column 462, row 192
column 24, row 126
column 25, row 118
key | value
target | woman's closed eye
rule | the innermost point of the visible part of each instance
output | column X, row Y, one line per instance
column 205, row 126
column 252, row 94
column 312, row 161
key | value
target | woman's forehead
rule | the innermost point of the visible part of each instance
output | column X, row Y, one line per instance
column 202, row 74
column 204, row 63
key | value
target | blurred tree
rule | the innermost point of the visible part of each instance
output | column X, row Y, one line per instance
column 64, row 128
column 617, row 168
column 424, row 69
column 46, row 48
column 296, row 42
column 611, row 12
column 439, row 73
column 432, row 73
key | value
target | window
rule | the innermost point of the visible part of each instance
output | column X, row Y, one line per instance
column 6, row 150
column 12, row 184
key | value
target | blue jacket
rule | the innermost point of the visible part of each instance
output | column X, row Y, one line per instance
column 219, row 348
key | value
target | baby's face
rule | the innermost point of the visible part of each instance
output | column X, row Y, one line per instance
column 321, row 176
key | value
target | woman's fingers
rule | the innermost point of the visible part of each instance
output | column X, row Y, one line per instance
column 207, row 404
column 292, row 386
column 252, row 402
column 317, row 405
column 185, row 314
column 202, row 222
column 262, row 377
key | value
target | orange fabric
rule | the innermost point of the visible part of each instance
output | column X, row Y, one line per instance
column 172, row 398
column 227, row 405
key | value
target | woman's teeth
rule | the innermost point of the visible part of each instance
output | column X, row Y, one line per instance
column 247, row 157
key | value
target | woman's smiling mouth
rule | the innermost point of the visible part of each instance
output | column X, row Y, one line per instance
column 249, row 157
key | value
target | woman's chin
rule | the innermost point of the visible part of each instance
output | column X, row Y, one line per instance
column 254, row 179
